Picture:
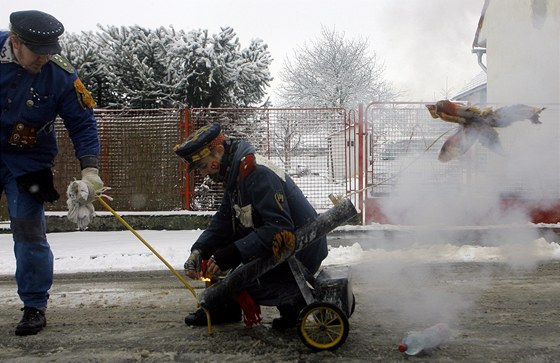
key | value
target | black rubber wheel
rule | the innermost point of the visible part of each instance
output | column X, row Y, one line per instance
column 322, row 326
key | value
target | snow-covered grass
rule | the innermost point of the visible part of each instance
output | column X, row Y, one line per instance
column 123, row 251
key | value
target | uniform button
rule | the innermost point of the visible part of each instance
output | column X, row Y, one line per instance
column 9, row 100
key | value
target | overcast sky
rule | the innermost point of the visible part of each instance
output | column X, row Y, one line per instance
column 424, row 44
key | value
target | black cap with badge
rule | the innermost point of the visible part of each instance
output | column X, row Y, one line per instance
column 37, row 30
column 200, row 144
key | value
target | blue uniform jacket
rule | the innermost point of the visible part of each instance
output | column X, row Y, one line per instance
column 36, row 100
column 268, row 198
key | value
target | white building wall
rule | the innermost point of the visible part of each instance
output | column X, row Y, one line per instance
column 523, row 66
column 523, row 51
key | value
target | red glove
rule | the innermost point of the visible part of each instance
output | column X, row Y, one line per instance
column 251, row 311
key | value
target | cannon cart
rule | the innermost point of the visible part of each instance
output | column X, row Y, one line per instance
column 323, row 323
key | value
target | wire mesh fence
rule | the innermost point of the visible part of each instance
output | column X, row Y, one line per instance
column 406, row 139
column 325, row 150
column 136, row 161
column 298, row 141
column 515, row 168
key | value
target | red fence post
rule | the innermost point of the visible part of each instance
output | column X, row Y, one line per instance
column 361, row 169
column 185, row 128
column 104, row 141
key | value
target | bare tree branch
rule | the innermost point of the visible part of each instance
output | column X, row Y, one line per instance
column 333, row 72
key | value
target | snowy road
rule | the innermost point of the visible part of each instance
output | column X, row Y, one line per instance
column 496, row 313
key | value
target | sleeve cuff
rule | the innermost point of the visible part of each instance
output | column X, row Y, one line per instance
column 89, row 162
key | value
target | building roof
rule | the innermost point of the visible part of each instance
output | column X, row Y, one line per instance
column 478, row 81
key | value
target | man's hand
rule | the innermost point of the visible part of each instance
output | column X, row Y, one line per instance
column 40, row 185
column 90, row 176
column 193, row 265
column 223, row 260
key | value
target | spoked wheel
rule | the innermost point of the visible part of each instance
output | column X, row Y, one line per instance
column 322, row 326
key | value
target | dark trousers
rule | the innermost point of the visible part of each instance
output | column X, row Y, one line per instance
column 34, row 258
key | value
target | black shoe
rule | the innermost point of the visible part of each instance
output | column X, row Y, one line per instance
column 33, row 321
column 230, row 313
column 284, row 323
column 288, row 316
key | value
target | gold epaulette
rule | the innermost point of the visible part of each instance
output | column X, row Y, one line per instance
column 63, row 63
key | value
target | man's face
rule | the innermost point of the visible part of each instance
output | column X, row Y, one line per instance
column 209, row 166
column 30, row 61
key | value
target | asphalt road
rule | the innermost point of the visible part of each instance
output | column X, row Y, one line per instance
column 496, row 314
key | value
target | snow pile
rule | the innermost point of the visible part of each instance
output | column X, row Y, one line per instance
column 122, row 251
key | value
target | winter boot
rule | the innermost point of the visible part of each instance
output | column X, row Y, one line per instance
column 33, row 321
column 228, row 313
column 288, row 316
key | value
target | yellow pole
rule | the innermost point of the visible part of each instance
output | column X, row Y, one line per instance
column 181, row 278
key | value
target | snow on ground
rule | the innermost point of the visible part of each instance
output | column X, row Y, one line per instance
column 123, row 251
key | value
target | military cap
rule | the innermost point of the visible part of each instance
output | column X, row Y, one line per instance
column 37, row 30
column 199, row 145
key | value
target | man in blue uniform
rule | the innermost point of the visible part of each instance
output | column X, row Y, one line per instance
column 260, row 205
column 36, row 85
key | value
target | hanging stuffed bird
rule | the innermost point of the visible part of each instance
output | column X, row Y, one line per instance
column 475, row 124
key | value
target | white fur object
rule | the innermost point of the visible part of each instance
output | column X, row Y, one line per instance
column 80, row 210
column 269, row 164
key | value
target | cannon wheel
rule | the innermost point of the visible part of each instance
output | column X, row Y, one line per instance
column 322, row 326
